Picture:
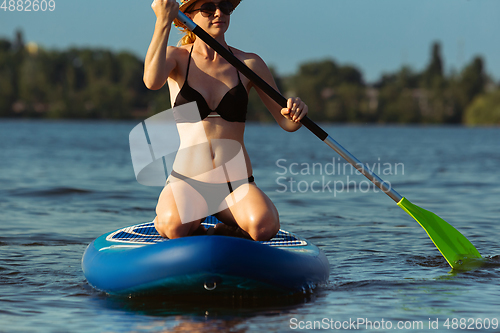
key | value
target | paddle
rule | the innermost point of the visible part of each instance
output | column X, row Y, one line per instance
column 455, row 248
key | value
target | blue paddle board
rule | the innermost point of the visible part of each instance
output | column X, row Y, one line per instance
column 136, row 260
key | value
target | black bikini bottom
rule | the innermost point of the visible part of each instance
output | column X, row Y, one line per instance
column 213, row 193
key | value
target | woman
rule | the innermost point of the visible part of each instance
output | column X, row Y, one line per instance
column 195, row 72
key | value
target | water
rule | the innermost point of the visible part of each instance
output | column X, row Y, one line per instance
column 62, row 184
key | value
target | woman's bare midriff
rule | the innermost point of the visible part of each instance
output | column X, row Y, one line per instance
column 212, row 151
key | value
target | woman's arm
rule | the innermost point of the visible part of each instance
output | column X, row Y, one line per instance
column 160, row 59
column 288, row 118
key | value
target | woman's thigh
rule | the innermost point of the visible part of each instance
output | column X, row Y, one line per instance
column 179, row 211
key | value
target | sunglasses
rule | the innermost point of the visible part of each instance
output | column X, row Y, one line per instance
column 209, row 8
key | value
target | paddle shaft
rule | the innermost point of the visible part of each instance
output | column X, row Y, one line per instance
column 282, row 101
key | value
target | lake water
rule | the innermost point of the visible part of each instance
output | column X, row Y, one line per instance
column 63, row 183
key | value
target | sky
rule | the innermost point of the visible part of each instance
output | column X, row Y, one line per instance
column 376, row 36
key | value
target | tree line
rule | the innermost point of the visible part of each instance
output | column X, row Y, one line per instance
column 339, row 93
column 99, row 84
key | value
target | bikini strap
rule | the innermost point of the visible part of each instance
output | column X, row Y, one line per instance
column 189, row 62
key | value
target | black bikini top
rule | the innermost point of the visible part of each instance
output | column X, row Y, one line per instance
column 232, row 107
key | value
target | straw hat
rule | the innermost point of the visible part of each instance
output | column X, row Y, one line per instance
column 185, row 4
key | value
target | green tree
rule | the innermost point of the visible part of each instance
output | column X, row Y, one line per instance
column 473, row 80
column 400, row 98
column 315, row 83
column 332, row 92
column 433, row 74
column 484, row 110
column 7, row 78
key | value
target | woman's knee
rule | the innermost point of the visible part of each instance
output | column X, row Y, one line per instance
column 169, row 225
column 264, row 226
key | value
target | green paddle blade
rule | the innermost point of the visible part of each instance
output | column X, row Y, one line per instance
column 454, row 247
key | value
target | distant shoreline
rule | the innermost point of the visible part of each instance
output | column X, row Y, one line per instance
column 83, row 83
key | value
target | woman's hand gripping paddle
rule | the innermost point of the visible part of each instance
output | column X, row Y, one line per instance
column 455, row 248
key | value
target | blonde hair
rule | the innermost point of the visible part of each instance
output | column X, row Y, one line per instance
column 188, row 38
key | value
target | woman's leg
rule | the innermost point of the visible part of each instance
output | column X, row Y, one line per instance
column 179, row 211
column 253, row 212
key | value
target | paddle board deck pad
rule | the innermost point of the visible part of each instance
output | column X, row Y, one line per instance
column 136, row 260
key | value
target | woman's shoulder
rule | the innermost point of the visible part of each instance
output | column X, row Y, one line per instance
column 178, row 55
column 182, row 50
column 252, row 60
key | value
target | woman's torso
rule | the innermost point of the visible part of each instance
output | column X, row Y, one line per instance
column 212, row 147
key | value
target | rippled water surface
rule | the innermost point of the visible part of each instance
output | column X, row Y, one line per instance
column 62, row 184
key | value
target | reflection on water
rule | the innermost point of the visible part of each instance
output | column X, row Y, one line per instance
column 213, row 307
